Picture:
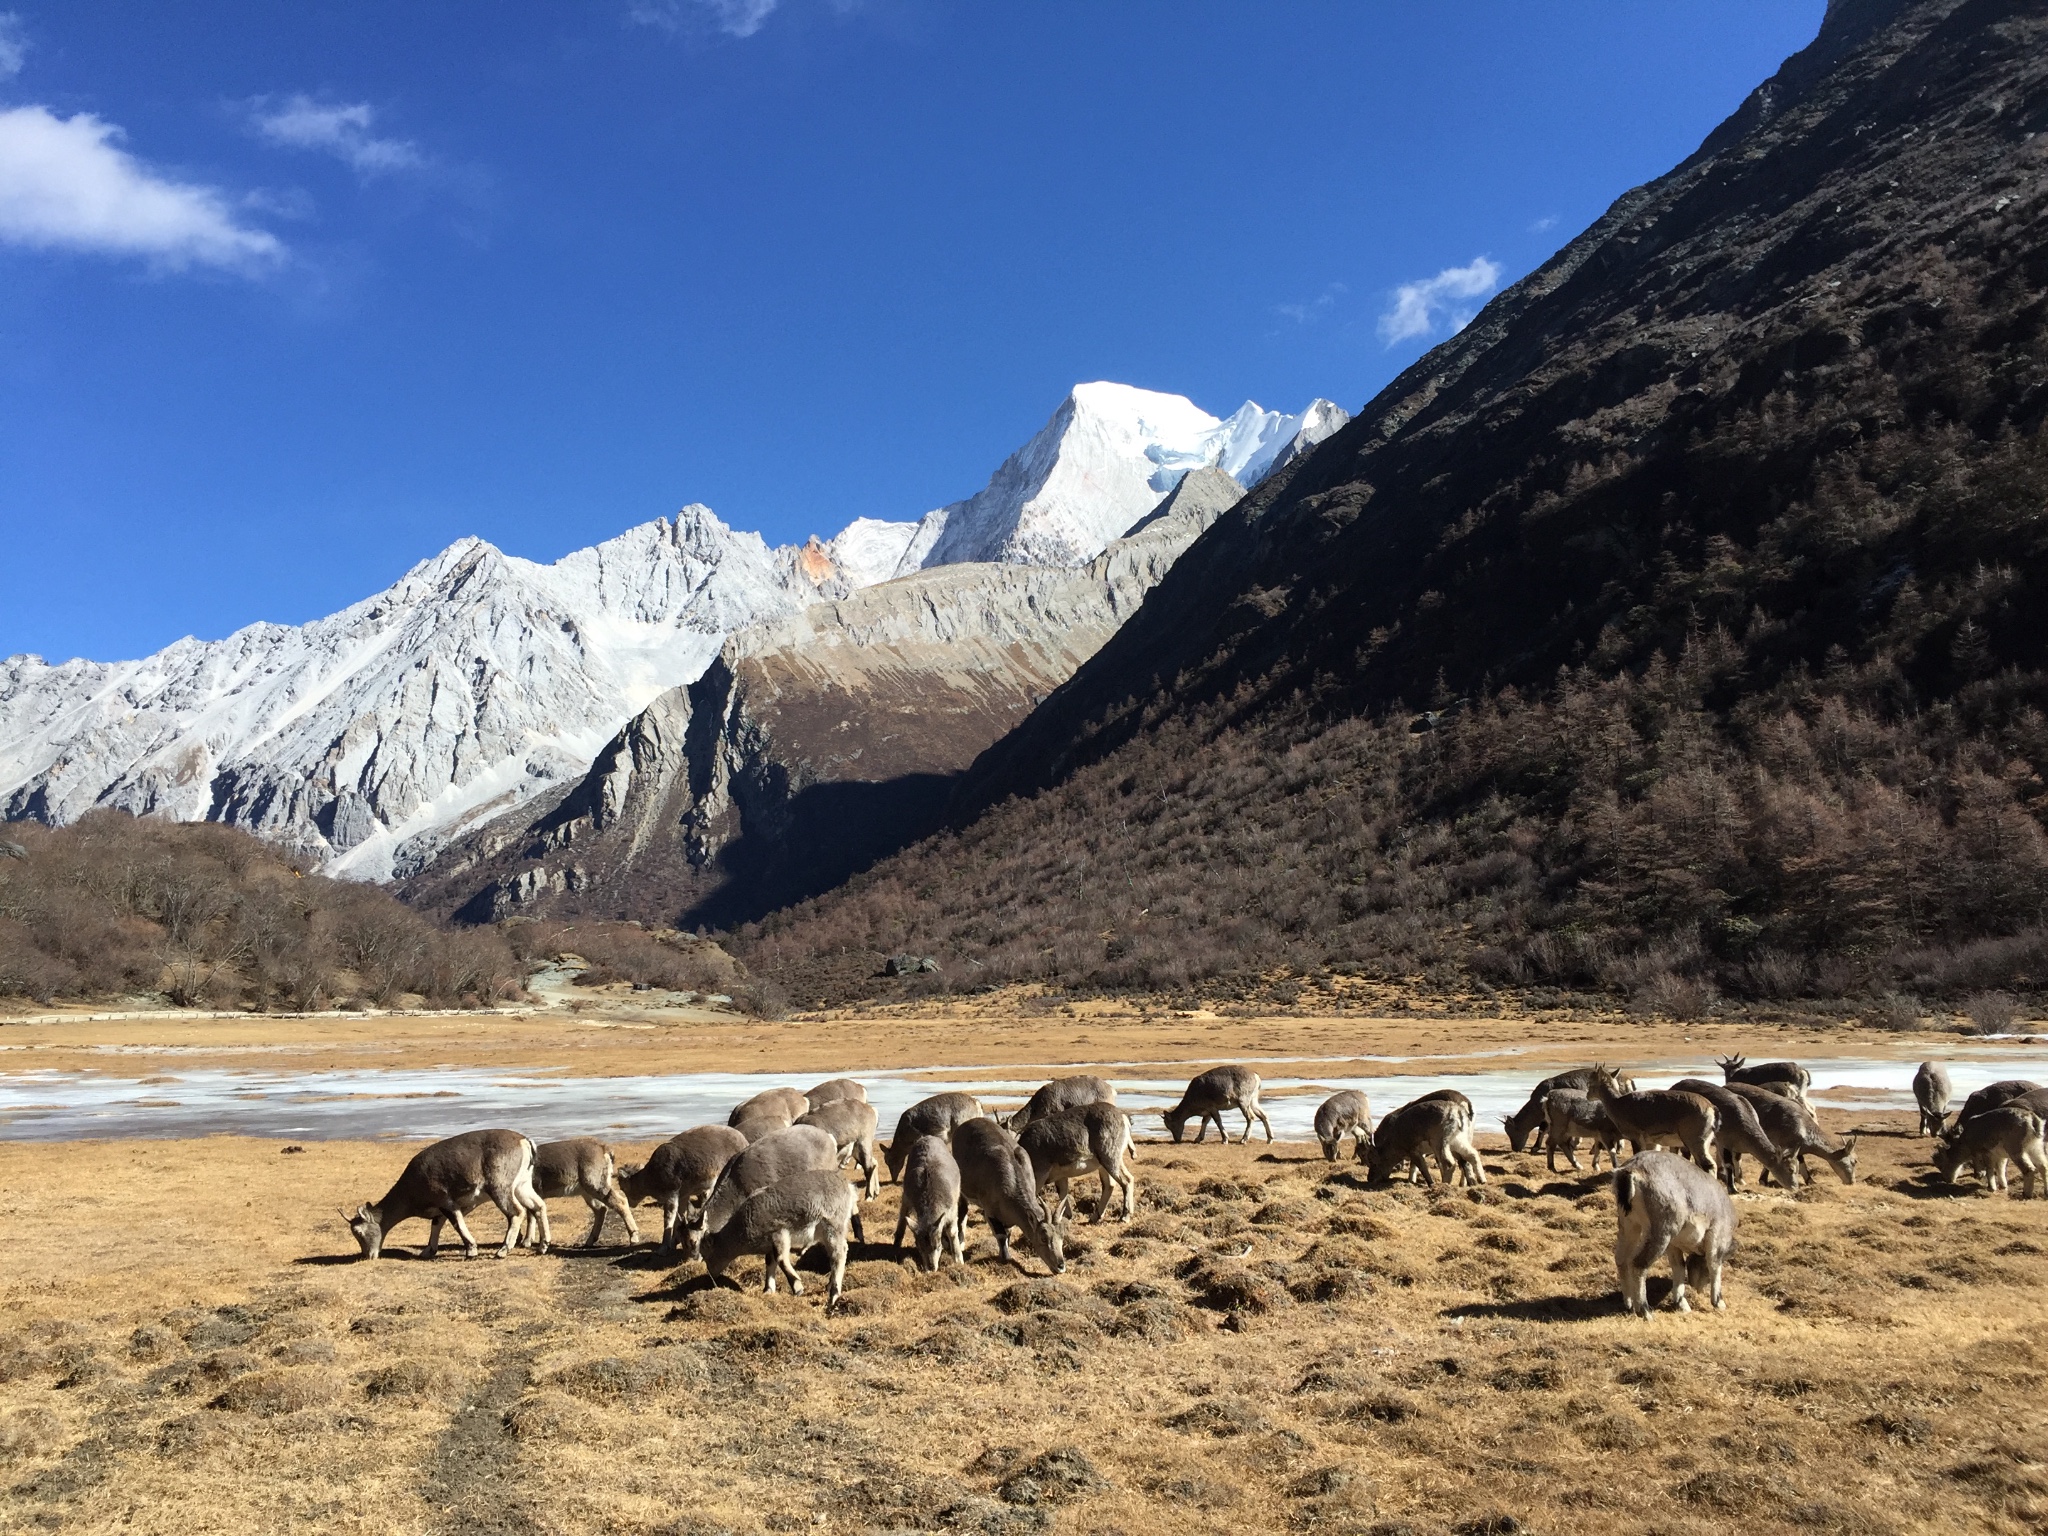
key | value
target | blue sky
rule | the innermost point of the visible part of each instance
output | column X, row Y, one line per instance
column 293, row 296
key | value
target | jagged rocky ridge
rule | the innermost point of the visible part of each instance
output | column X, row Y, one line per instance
column 365, row 740
column 814, row 743
column 1674, row 629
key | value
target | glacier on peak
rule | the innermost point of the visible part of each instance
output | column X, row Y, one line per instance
column 1102, row 462
column 367, row 739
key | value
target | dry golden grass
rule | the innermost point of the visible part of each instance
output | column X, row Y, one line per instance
column 613, row 1035
column 1268, row 1346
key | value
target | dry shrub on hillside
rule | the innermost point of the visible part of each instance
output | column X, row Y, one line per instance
column 625, row 951
column 1616, row 833
column 207, row 915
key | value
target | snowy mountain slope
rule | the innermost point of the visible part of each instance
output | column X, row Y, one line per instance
column 1103, row 461
column 367, row 739
column 474, row 680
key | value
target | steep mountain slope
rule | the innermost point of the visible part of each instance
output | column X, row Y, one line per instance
column 1715, row 551
column 365, row 740
column 816, row 742
column 362, row 738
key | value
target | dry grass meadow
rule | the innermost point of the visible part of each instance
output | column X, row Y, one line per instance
column 188, row 1344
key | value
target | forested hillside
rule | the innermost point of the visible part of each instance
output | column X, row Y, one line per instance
column 1676, row 629
column 207, row 915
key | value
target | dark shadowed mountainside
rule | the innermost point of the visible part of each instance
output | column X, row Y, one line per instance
column 1676, row 628
column 814, row 744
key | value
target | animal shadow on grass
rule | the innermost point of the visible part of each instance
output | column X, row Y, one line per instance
column 1274, row 1157
column 1556, row 1309
column 1930, row 1185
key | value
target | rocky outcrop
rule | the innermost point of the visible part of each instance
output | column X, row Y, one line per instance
column 817, row 742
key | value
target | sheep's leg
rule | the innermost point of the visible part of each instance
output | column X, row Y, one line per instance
column 1681, row 1272
column 469, row 1238
column 836, row 1247
column 615, row 1200
column 434, row 1239
column 1625, row 1274
column 1267, row 1124
column 598, row 1211
column 1708, row 1273
column 902, row 1225
column 536, row 1209
column 785, row 1261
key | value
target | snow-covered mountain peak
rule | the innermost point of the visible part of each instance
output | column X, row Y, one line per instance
column 1103, row 461
column 477, row 679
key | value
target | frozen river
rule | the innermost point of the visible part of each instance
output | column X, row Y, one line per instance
column 369, row 1102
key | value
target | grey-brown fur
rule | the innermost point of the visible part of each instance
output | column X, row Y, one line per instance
column 1340, row 1115
column 780, row 1155
column 1782, row 1077
column 1419, row 1131
column 833, row 1090
column 1213, row 1092
column 762, row 1122
column 931, row 1202
column 1741, row 1134
column 1092, row 1138
column 852, row 1124
column 448, row 1180
column 1660, row 1117
column 584, row 1167
column 1663, row 1204
column 783, row 1222
column 1528, row 1121
column 787, row 1102
column 1571, row 1115
column 1987, row 1142
column 679, row 1175
column 1062, row 1094
column 996, row 1175
column 1931, row 1092
column 935, row 1116
column 1991, row 1095
column 1797, row 1135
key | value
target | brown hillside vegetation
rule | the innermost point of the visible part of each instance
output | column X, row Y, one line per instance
column 1715, row 553
column 206, row 914
column 1268, row 1346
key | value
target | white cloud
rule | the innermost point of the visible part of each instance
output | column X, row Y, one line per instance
column 1316, row 308
column 13, row 46
column 1419, row 308
column 740, row 18
column 1544, row 225
column 339, row 129
column 66, row 184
